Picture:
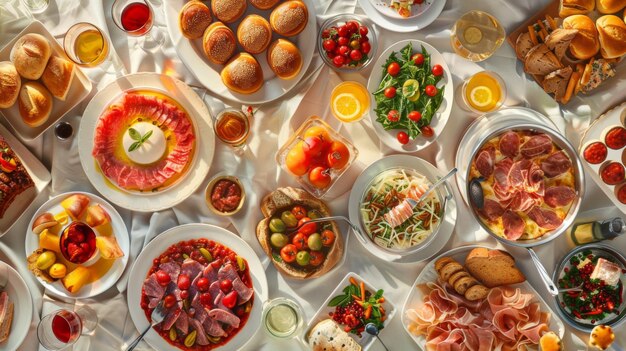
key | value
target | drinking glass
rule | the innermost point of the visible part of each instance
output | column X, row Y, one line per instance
column 136, row 18
column 232, row 127
column 349, row 101
column 476, row 35
column 282, row 318
column 487, row 81
column 86, row 45
column 36, row 6
column 62, row 328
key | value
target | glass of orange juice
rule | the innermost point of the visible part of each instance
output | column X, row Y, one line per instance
column 349, row 101
column 483, row 92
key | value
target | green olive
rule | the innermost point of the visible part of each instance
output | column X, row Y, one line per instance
column 315, row 242
column 279, row 240
column 190, row 339
column 46, row 260
column 314, row 214
column 241, row 263
column 289, row 219
column 303, row 258
column 277, row 226
column 173, row 334
column 206, row 254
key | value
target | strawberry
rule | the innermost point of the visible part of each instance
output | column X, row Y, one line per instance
column 230, row 300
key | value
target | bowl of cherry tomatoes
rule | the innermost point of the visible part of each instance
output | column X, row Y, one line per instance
column 316, row 155
column 347, row 42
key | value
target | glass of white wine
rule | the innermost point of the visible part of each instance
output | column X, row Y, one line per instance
column 476, row 35
column 282, row 318
column 86, row 45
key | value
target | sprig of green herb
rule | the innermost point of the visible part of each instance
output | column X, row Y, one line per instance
column 139, row 139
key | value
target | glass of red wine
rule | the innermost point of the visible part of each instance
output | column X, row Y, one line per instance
column 62, row 328
column 136, row 18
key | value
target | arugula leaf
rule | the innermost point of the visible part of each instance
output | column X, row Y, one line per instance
column 276, row 257
column 135, row 135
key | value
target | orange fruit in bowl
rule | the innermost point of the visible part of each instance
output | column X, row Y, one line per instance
column 297, row 161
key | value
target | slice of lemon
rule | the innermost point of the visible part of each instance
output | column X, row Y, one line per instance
column 472, row 35
column 347, row 107
column 481, row 96
column 411, row 89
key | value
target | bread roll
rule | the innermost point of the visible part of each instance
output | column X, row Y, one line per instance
column 612, row 33
column 610, row 6
column 243, row 74
column 219, row 43
column 194, row 19
column 586, row 43
column 264, row 4
column 284, row 59
column 30, row 55
column 254, row 34
column 289, row 18
column 58, row 76
column 35, row 104
column 575, row 7
column 10, row 83
column 228, row 11
column 328, row 336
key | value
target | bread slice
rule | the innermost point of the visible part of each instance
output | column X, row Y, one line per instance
column 440, row 263
column 463, row 284
column 559, row 40
column 456, row 276
column 448, row 270
column 541, row 60
column 6, row 316
column 523, row 44
column 556, row 82
column 493, row 268
column 327, row 335
column 476, row 292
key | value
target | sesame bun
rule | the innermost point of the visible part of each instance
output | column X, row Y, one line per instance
column 243, row 74
column 284, row 59
column 219, row 43
column 194, row 18
column 254, row 34
column 289, row 18
column 264, row 4
column 228, row 11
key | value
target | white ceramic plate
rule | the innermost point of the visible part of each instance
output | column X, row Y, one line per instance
column 187, row 232
column 366, row 340
column 388, row 137
column 22, row 308
column 428, row 274
column 38, row 173
column 409, row 162
column 383, row 16
column 203, row 130
column 208, row 73
column 416, row 10
column 121, row 234
column 80, row 88
column 597, row 132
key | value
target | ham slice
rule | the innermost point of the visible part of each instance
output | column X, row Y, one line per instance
column 224, row 317
column 182, row 323
column 201, row 338
column 227, row 272
column 501, row 173
column 513, row 225
column 559, row 195
column 545, row 218
column 213, row 328
column 244, row 292
column 556, row 164
column 540, row 144
column 191, row 268
column 485, row 160
column 491, row 210
column 509, row 144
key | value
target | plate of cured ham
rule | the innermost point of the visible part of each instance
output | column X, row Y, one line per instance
column 140, row 145
column 210, row 283
column 507, row 317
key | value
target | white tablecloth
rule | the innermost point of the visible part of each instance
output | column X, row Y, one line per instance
column 272, row 125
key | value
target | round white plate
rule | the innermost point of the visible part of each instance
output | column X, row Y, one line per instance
column 385, row 17
column 423, row 167
column 208, row 73
column 19, row 295
column 121, row 234
column 388, row 137
column 170, row 237
column 203, row 130
column 416, row 10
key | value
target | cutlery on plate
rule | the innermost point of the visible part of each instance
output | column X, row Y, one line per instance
column 324, row 219
column 158, row 315
column 372, row 329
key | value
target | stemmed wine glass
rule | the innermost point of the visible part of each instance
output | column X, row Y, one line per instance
column 62, row 328
column 136, row 18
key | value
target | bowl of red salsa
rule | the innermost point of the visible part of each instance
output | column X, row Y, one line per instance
column 600, row 301
column 225, row 195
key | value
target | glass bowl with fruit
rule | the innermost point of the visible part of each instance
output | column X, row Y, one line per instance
column 347, row 42
column 316, row 155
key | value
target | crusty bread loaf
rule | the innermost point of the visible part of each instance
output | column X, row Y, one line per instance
column 612, row 34
column 493, row 268
column 328, row 336
column 10, row 83
column 35, row 104
column 574, row 7
column 610, row 6
column 58, row 76
column 194, row 18
column 586, row 43
column 30, row 54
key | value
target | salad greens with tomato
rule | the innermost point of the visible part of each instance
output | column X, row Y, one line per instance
column 357, row 307
column 407, row 97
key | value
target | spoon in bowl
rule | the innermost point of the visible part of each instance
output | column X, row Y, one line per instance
column 475, row 192
column 372, row 329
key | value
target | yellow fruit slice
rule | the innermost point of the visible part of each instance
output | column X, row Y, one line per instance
column 411, row 90
column 481, row 96
column 473, row 35
column 347, row 107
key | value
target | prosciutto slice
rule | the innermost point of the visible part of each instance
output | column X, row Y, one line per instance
column 545, row 218
column 244, row 292
column 559, row 196
column 509, row 144
column 513, row 225
column 556, row 164
column 540, row 144
column 491, row 210
column 485, row 161
column 224, row 317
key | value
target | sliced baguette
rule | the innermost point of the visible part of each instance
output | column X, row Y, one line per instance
column 440, row 263
column 493, row 268
column 476, row 292
column 541, row 60
column 448, row 270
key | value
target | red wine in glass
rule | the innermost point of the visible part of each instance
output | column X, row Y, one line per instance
column 66, row 326
column 136, row 17
column 60, row 329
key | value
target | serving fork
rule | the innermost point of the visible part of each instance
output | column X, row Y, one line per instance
column 324, row 219
column 157, row 316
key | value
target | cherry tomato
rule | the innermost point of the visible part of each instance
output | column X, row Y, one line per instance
column 169, row 301
column 342, row 41
column 430, row 90
column 342, row 31
column 163, row 278
column 415, row 116
column 353, row 27
column 184, row 282
column 390, row 92
column 288, row 253
column 184, row 294
column 317, row 258
column 309, row 228
column 338, row 155
column 299, row 240
column 206, row 299
column 329, row 44
column 313, row 146
column 418, row 59
column 328, row 237
column 297, row 161
column 325, row 33
column 437, row 70
column 339, row 60
column 427, row 131
column 418, row 1
column 344, row 50
column 356, row 55
column 354, row 44
column 320, row 177
column 203, row 284
column 299, row 212
column 363, row 31
column 393, row 116
column 403, row 137
column 366, row 47
column 393, row 69
column 226, row 285
column 364, row 39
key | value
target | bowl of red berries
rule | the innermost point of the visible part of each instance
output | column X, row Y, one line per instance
column 347, row 42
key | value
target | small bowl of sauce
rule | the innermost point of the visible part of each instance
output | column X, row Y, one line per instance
column 78, row 244
column 225, row 195
column 282, row 318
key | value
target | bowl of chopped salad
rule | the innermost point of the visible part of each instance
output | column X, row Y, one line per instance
column 413, row 93
column 600, row 274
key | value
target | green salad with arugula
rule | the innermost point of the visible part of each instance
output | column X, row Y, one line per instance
column 407, row 97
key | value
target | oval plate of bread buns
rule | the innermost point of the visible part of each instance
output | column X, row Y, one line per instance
column 478, row 293
column 246, row 51
column 42, row 84
column 16, row 308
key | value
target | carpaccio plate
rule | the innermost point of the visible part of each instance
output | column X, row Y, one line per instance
column 428, row 274
column 597, row 132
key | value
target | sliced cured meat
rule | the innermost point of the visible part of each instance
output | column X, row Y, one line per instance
column 491, row 210
column 595, row 153
column 509, row 144
column 616, row 138
column 501, row 173
column 519, row 172
column 182, row 323
column 503, row 195
column 201, row 338
column 540, row 144
column 485, row 161
column 224, row 317
column 227, row 272
column 613, row 173
column 556, row 164
column 545, row 218
column 171, row 315
column 513, row 225
column 559, row 195
column 399, row 214
column 191, row 268
column 152, row 288
column 522, row 201
column 244, row 292
column 213, row 328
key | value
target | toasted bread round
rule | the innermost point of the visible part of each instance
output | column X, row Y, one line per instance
column 449, row 269
column 456, row 276
column 440, row 263
column 463, row 284
column 476, row 292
